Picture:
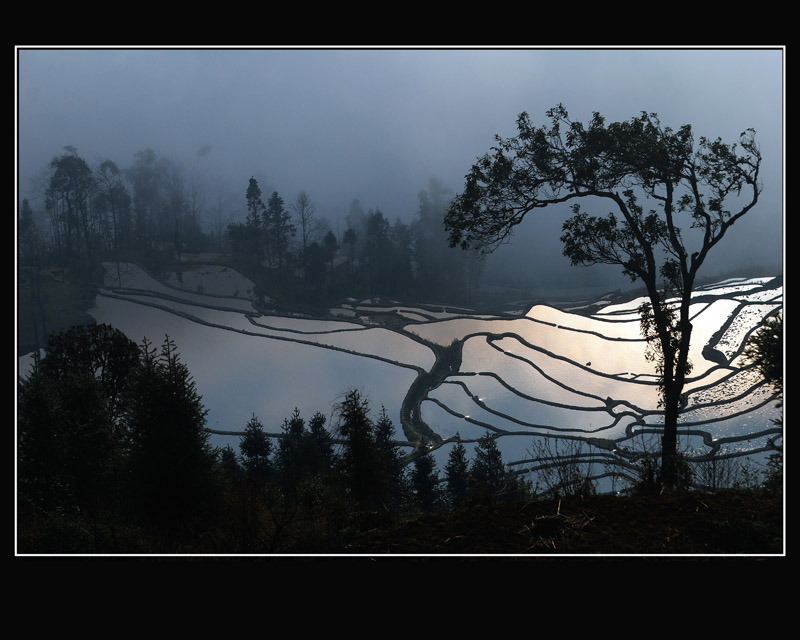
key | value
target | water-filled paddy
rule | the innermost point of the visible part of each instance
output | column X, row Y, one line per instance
column 544, row 373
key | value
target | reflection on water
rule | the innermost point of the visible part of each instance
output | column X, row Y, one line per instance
column 547, row 373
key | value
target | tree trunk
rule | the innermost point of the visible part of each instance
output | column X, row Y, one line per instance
column 673, row 389
column 669, row 441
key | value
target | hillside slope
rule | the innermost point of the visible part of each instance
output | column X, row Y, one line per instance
column 730, row 522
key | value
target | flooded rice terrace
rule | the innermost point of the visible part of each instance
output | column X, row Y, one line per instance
column 571, row 382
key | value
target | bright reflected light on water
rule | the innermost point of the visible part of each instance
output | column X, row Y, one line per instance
column 549, row 372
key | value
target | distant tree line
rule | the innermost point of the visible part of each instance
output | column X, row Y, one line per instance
column 373, row 256
column 156, row 209
column 84, row 211
column 114, row 457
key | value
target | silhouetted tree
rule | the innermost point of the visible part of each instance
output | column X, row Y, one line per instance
column 99, row 351
column 425, row 480
column 457, row 474
column 488, row 473
column 619, row 164
column 69, row 451
column 375, row 249
column 292, row 457
column 390, row 471
column 764, row 349
column 365, row 464
column 304, row 211
column 323, row 457
column 70, row 419
column 171, row 464
column 31, row 258
column 41, row 466
column 400, row 276
column 280, row 229
column 68, row 198
column 256, row 217
column 256, row 449
column 229, row 464
column 146, row 176
column 358, row 455
column 113, row 202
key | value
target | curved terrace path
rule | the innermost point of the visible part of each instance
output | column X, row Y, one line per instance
column 447, row 362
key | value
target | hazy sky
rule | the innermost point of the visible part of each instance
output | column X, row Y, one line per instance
column 376, row 125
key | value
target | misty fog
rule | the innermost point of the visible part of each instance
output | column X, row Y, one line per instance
column 240, row 327
column 376, row 125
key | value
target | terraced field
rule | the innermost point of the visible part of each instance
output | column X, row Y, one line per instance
column 572, row 381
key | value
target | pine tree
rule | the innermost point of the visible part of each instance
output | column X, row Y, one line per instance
column 229, row 464
column 457, row 474
column 488, row 473
column 171, row 462
column 359, row 462
column 389, row 480
column 424, row 480
column 280, row 229
column 292, row 451
column 256, row 449
column 255, row 207
column 256, row 216
column 322, row 457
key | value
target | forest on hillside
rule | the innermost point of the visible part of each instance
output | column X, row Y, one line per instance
column 127, row 465
column 114, row 457
column 114, row 454
column 155, row 211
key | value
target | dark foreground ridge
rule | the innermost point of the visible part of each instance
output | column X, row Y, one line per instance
column 724, row 523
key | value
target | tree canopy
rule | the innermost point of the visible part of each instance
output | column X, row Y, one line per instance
column 765, row 350
column 654, row 179
column 619, row 162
